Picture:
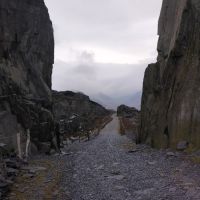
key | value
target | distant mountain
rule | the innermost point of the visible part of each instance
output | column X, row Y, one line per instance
column 131, row 100
column 104, row 100
column 111, row 102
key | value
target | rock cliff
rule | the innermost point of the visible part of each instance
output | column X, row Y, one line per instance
column 126, row 111
column 78, row 111
column 170, row 112
column 26, row 59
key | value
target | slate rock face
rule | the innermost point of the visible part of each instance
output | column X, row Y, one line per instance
column 170, row 110
column 78, row 109
column 126, row 111
column 26, row 59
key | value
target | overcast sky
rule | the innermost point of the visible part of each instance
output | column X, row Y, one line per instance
column 102, row 47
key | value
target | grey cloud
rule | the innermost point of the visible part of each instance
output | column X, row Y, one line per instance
column 118, row 82
column 84, row 69
column 121, row 24
column 83, row 28
column 107, row 91
column 85, row 57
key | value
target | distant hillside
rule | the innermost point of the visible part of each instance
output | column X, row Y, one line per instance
column 78, row 109
column 110, row 102
column 68, row 102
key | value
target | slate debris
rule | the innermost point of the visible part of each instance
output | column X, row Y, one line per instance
column 9, row 169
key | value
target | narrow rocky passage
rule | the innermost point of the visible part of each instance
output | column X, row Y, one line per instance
column 112, row 167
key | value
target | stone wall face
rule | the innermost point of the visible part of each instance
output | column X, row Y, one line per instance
column 68, row 103
column 170, row 110
column 78, row 109
column 26, row 60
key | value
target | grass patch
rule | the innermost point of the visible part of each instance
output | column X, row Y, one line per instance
column 195, row 159
column 122, row 129
column 129, row 146
column 37, row 182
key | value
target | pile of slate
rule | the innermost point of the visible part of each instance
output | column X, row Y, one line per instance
column 9, row 169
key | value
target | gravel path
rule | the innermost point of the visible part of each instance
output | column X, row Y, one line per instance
column 105, row 169
column 112, row 167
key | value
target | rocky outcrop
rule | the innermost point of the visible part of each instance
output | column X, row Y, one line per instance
column 126, row 111
column 26, row 58
column 170, row 109
column 77, row 111
column 129, row 121
column 9, row 169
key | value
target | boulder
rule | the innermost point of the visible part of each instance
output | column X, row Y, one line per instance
column 126, row 111
column 44, row 147
column 182, row 145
